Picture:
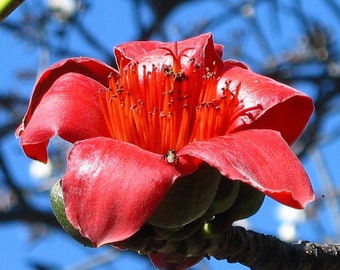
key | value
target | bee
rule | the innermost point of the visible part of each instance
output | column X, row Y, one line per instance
column 170, row 157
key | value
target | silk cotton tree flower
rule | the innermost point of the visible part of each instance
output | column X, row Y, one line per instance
column 175, row 143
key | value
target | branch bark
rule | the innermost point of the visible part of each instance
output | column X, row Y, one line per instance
column 265, row 252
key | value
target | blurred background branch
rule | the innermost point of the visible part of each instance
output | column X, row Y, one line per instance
column 256, row 32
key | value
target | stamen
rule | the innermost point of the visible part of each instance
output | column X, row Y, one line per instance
column 158, row 111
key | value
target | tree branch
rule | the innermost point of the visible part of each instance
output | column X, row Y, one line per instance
column 265, row 252
column 7, row 7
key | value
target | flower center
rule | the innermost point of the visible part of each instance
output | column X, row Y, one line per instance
column 166, row 108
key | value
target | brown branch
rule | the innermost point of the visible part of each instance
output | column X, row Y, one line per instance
column 265, row 252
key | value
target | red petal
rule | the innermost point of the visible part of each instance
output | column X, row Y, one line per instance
column 201, row 48
column 112, row 187
column 159, row 260
column 127, row 52
column 71, row 109
column 283, row 108
column 89, row 67
column 260, row 158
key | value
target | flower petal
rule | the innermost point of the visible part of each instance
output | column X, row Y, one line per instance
column 159, row 261
column 88, row 67
column 112, row 187
column 70, row 108
column 260, row 158
column 283, row 108
column 200, row 48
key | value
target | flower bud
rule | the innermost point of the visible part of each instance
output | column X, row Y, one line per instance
column 58, row 206
column 225, row 197
column 188, row 199
column 247, row 203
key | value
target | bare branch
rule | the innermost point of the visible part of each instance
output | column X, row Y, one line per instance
column 7, row 7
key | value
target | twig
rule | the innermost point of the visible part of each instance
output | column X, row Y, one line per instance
column 7, row 7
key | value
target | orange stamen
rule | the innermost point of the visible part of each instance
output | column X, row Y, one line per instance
column 167, row 108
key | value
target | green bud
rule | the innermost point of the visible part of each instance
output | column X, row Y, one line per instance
column 225, row 197
column 138, row 241
column 216, row 227
column 58, row 206
column 163, row 233
column 188, row 199
column 209, row 230
column 186, row 231
column 247, row 203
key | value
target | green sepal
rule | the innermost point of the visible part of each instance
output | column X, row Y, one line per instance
column 225, row 197
column 247, row 203
column 138, row 241
column 186, row 231
column 58, row 206
column 188, row 199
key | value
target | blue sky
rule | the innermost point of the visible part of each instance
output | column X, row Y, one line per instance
column 113, row 24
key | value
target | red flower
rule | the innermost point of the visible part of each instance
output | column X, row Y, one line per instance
column 164, row 96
